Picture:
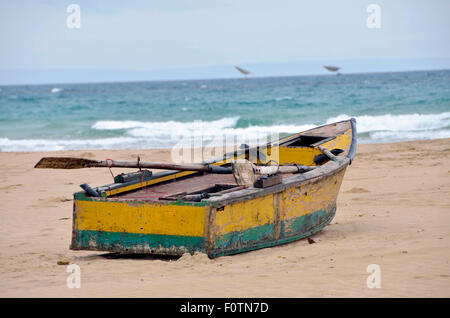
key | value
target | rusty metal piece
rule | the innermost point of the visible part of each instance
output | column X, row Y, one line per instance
column 311, row 241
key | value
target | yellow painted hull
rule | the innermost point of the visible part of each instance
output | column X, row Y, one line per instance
column 236, row 222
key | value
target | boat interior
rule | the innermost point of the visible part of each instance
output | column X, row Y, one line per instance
column 298, row 149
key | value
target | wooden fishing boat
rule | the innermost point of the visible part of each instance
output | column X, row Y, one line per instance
column 177, row 212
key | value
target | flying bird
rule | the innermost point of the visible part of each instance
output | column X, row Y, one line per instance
column 332, row 68
column 245, row 72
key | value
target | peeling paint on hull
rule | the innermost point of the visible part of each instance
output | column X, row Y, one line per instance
column 265, row 236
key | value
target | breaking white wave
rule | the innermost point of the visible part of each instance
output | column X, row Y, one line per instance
column 157, row 127
column 55, row 90
column 386, row 136
column 390, row 128
column 174, row 130
column 406, row 123
column 143, row 135
column 7, row 144
column 283, row 98
column 397, row 123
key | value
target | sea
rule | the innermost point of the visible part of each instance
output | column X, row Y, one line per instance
column 388, row 107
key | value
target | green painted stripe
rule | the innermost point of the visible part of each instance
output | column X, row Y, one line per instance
column 137, row 243
column 264, row 236
column 262, row 233
column 305, row 223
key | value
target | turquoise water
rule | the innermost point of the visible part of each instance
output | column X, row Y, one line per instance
column 387, row 107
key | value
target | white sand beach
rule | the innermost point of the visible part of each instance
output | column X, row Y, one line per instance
column 393, row 211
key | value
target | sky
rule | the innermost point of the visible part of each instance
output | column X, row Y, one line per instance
column 188, row 35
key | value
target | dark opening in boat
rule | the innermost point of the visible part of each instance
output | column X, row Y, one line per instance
column 307, row 141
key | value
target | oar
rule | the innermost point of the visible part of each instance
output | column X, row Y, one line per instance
column 78, row 163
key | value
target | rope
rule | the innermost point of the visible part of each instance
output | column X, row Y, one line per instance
column 278, row 165
column 109, row 166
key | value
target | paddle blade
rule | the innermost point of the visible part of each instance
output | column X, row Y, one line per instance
column 64, row 163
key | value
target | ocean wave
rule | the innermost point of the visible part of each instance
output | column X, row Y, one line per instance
column 172, row 129
column 167, row 125
column 8, row 145
column 227, row 125
column 146, row 135
column 283, row 98
column 55, row 90
column 385, row 136
column 398, row 123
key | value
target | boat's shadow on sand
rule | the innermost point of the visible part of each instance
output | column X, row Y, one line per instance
column 124, row 256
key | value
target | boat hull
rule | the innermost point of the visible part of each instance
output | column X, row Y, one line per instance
column 233, row 222
column 267, row 219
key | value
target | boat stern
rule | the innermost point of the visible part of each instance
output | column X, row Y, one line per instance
column 102, row 224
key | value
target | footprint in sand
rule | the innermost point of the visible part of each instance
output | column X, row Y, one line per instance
column 87, row 155
column 136, row 156
column 11, row 187
column 55, row 199
column 357, row 190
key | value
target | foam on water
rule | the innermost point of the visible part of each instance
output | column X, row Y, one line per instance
column 167, row 134
column 391, row 136
column 399, row 123
column 174, row 126
column 7, row 144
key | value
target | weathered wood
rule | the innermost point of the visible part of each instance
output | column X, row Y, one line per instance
column 327, row 153
column 64, row 163
column 79, row 163
column 267, row 181
column 281, row 169
column 173, row 197
column 322, row 158
column 227, row 191
column 142, row 175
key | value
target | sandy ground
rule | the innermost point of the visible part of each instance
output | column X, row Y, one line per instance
column 393, row 211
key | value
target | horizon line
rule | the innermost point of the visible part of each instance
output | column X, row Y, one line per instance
column 246, row 77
